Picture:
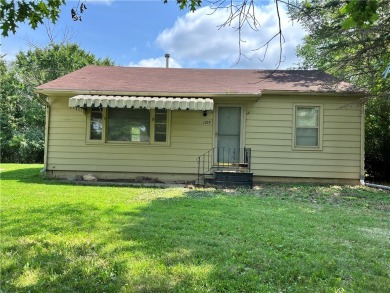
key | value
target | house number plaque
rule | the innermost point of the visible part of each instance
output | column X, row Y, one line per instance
column 207, row 122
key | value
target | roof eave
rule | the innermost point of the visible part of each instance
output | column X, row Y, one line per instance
column 61, row 92
column 315, row 93
column 49, row 92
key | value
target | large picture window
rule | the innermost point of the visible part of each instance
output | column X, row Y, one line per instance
column 128, row 125
column 307, row 126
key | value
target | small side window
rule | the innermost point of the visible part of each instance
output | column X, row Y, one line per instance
column 307, row 126
column 96, row 124
column 160, row 125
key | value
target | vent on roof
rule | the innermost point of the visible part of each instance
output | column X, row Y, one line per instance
column 167, row 60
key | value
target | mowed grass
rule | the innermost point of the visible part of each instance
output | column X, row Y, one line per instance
column 58, row 237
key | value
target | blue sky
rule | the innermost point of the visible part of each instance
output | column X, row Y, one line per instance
column 139, row 33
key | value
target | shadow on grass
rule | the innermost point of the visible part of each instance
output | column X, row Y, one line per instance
column 54, row 249
column 30, row 175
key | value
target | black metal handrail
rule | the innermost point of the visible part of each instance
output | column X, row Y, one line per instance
column 224, row 159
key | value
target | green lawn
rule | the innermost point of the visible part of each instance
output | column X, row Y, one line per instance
column 58, row 237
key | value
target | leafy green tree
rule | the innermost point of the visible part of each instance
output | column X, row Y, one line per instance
column 40, row 65
column 355, row 47
column 21, row 136
column 191, row 4
column 358, row 52
column 21, row 110
column 33, row 12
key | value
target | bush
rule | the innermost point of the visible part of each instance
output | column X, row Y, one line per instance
column 27, row 147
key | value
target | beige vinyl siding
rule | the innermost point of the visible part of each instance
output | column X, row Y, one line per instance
column 68, row 149
column 269, row 132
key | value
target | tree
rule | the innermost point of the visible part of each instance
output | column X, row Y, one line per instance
column 34, row 12
column 22, row 114
column 12, row 12
column 40, row 65
column 21, row 136
column 358, row 51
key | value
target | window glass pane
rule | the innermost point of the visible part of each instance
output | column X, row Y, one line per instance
column 307, row 136
column 160, row 137
column 161, row 116
column 160, row 126
column 128, row 125
column 307, row 117
column 96, row 124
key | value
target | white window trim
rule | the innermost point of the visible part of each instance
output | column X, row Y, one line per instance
column 320, row 128
column 104, row 140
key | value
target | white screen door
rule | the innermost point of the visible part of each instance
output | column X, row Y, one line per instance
column 229, row 134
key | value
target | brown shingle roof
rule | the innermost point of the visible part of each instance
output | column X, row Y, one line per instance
column 203, row 81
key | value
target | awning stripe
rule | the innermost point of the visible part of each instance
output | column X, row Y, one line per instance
column 170, row 103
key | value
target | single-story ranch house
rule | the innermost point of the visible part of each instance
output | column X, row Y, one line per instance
column 194, row 124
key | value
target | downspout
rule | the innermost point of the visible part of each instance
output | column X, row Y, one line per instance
column 384, row 187
column 47, row 126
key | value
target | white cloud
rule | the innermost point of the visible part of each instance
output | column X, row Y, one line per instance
column 195, row 40
column 156, row 62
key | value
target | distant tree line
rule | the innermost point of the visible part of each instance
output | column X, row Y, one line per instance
column 22, row 111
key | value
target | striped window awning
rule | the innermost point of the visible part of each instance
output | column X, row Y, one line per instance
column 169, row 103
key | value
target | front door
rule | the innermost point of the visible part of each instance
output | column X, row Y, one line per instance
column 228, row 134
